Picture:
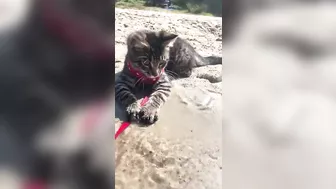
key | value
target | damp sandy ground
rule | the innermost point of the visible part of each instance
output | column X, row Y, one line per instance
column 183, row 149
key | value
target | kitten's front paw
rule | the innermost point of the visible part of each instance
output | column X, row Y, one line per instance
column 133, row 111
column 148, row 115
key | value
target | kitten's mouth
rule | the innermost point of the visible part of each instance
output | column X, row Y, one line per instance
column 151, row 76
column 145, row 77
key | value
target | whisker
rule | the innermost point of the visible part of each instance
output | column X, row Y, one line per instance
column 140, row 79
column 172, row 73
column 171, row 76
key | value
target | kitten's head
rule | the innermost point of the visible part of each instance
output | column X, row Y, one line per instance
column 148, row 51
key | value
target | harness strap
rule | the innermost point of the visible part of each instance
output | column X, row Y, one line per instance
column 138, row 74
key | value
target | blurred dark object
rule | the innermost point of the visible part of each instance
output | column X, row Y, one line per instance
column 230, row 16
column 213, row 7
column 60, row 59
column 159, row 3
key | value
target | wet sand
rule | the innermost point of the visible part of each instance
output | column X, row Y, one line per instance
column 182, row 150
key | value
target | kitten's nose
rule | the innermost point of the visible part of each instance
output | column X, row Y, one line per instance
column 155, row 72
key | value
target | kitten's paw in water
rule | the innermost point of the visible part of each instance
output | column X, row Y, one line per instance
column 148, row 115
column 133, row 111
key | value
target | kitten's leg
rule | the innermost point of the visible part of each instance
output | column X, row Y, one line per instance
column 124, row 95
column 161, row 91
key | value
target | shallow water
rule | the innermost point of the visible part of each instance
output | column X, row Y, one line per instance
column 182, row 150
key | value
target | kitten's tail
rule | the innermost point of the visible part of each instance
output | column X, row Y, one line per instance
column 209, row 60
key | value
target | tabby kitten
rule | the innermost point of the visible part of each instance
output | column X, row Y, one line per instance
column 144, row 67
column 151, row 55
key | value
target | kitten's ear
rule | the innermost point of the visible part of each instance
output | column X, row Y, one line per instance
column 167, row 37
column 139, row 46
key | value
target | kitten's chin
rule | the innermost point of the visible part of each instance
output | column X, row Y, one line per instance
column 152, row 76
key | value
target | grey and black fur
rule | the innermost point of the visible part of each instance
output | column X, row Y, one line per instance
column 150, row 52
column 183, row 58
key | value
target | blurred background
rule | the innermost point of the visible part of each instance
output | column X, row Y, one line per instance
column 56, row 94
column 203, row 7
column 279, row 94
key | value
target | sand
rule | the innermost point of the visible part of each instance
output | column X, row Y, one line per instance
column 183, row 149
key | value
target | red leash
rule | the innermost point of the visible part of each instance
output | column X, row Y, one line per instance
column 125, row 124
column 144, row 79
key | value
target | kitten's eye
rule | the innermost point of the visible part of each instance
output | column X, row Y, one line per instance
column 162, row 63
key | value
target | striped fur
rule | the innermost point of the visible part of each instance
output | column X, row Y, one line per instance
column 150, row 52
column 126, row 88
column 146, row 52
